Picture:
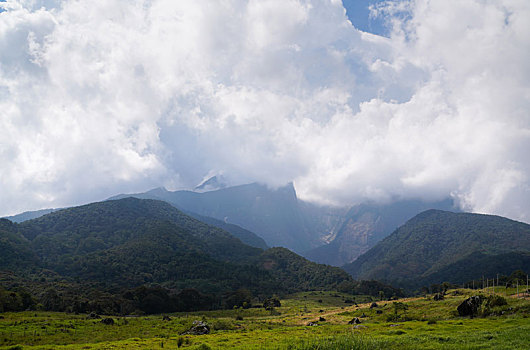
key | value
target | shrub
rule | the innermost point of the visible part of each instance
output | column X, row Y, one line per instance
column 496, row 300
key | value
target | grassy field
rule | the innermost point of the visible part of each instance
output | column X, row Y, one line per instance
column 404, row 324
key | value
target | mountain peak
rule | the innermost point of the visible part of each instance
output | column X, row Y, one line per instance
column 212, row 183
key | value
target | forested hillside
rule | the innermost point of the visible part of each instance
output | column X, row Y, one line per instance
column 115, row 247
column 444, row 246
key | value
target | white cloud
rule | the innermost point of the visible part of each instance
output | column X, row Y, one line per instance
column 101, row 97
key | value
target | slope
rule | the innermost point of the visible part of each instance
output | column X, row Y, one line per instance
column 428, row 244
column 15, row 251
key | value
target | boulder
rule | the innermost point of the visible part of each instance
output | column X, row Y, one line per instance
column 373, row 305
column 93, row 316
column 470, row 306
column 379, row 312
column 321, row 319
column 355, row 320
column 311, row 324
column 166, row 318
column 108, row 321
column 198, row 328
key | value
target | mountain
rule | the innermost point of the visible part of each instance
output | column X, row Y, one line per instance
column 277, row 215
column 28, row 215
column 366, row 224
column 438, row 246
column 245, row 236
column 132, row 242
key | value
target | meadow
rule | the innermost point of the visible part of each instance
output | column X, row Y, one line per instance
column 309, row 320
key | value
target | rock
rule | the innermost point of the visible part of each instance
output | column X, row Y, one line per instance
column 470, row 306
column 108, row 321
column 394, row 325
column 438, row 297
column 379, row 312
column 311, row 324
column 363, row 315
column 198, row 328
column 166, row 318
column 321, row 319
column 93, row 316
column 373, row 305
column 359, row 326
column 355, row 320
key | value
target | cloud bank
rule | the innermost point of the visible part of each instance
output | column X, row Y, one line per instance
column 100, row 97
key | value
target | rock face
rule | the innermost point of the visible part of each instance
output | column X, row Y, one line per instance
column 470, row 306
column 198, row 328
column 366, row 224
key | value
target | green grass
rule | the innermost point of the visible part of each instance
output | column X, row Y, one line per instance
column 423, row 323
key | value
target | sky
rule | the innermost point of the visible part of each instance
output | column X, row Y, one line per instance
column 354, row 101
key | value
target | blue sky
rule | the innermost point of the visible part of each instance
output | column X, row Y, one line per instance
column 359, row 14
column 101, row 97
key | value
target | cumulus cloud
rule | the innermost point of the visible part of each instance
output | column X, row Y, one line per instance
column 100, row 97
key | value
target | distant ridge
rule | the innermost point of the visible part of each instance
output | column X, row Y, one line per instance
column 28, row 215
column 275, row 215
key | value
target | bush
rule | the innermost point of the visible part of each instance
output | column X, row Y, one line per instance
column 496, row 300
column 222, row 325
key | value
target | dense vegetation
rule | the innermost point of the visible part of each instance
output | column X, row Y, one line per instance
column 95, row 257
column 438, row 246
